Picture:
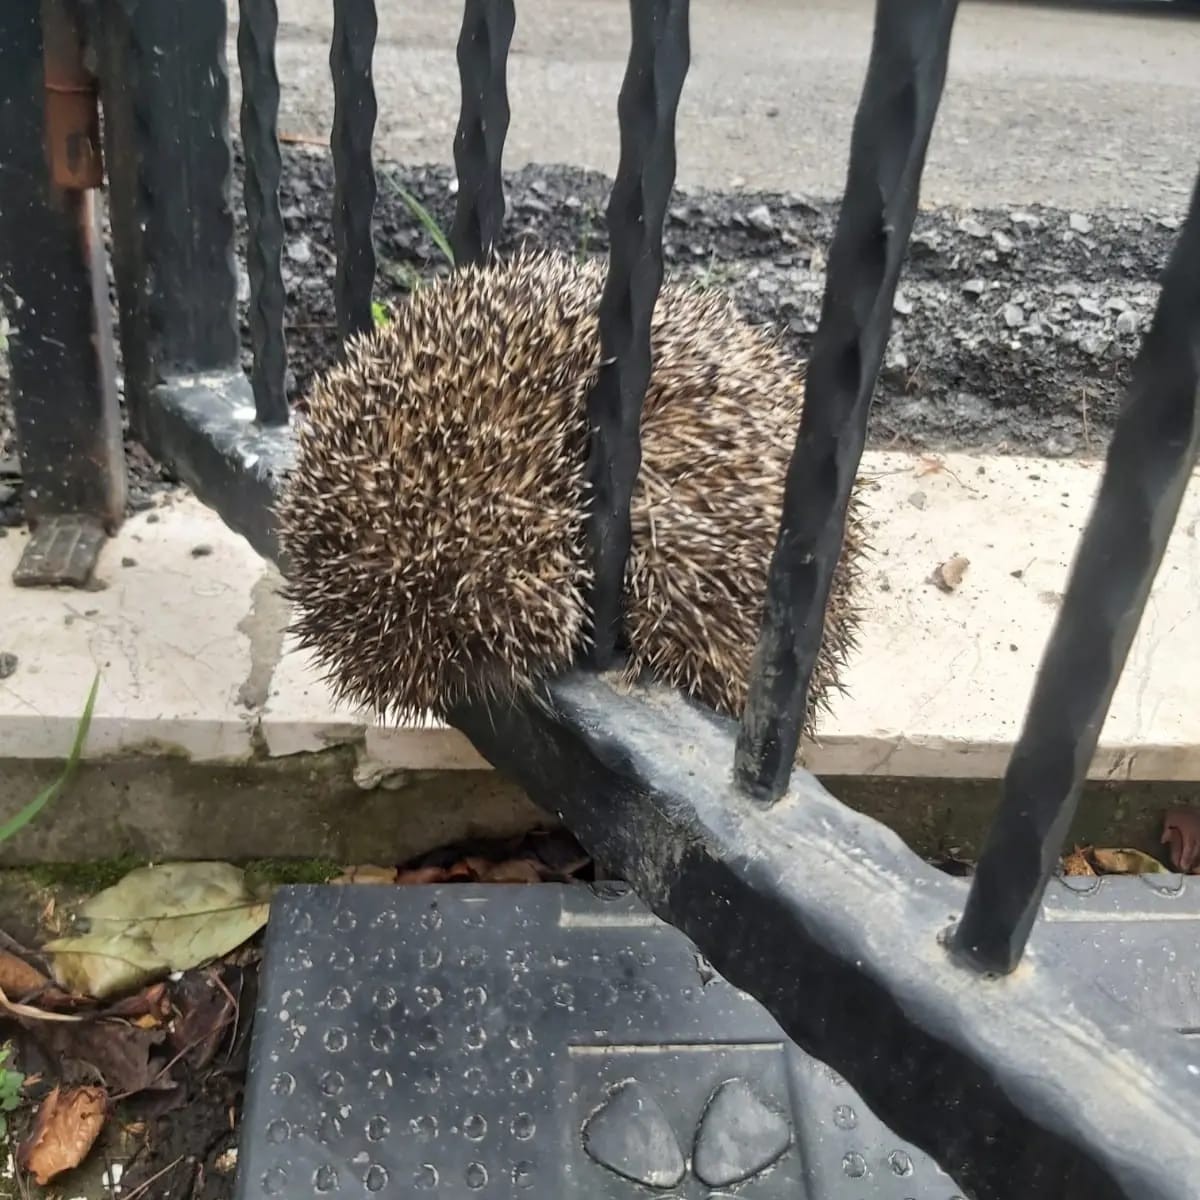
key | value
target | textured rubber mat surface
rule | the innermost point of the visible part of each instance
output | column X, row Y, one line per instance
column 560, row 1042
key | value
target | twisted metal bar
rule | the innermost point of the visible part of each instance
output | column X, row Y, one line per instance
column 164, row 84
column 257, row 27
column 354, row 110
column 487, row 31
column 658, row 64
column 892, row 127
column 1150, row 460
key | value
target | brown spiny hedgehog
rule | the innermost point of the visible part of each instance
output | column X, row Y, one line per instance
column 433, row 523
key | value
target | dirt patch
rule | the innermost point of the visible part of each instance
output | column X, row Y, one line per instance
column 1014, row 329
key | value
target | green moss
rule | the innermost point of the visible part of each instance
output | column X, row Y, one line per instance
column 85, row 877
column 274, row 872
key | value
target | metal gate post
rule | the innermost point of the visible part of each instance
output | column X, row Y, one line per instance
column 53, row 286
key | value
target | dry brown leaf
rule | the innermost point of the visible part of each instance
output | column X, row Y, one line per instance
column 949, row 575
column 366, row 874
column 1181, row 836
column 512, row 870
column 67, row 1125
column 1126, row 862
column 124, row 1057
column 152, row 1002
column 19, row 978
column 32, row 1013
column 205, row 1009
column 420, row 875
column 1076, row 863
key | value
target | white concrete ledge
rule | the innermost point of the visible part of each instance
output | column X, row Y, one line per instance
column 193, row 659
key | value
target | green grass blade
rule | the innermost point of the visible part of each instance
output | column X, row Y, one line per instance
column 18, row 822
column 426, row 218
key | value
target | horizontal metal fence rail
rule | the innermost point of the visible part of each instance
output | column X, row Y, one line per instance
column 1024, row 1084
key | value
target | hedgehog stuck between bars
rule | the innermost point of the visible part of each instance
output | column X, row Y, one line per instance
column 433, row 524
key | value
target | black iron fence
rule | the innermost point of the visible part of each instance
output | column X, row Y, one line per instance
column 1015, row 1075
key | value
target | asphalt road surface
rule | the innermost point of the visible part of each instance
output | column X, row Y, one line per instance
column 1081, row 107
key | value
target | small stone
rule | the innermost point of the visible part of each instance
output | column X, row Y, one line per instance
column 1168, row 222
column 1014, row 315
column 917, row 500
column 6, row 494
column 972, row 228
column 1079, row 223
column 243, row 285
column 201, row 551
column 8, row 664
column 300, row 251
column 760, row 220
column 1092, row 344
column 1127, row 322
column 9, row 467
column 1089, row 306
column 1003, row 242
column 1020, row 217
column 152, row 518
column 974, row 287
column 129, row 562
column 902, row 304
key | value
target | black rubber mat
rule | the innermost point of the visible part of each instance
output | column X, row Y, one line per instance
column 561, row 1042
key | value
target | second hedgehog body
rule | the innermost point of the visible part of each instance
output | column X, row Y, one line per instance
column 433, row 524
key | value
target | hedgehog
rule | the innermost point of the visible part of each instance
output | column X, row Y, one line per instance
column 432, row 526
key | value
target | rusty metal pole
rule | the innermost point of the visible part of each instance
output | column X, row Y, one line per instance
column 53, row 287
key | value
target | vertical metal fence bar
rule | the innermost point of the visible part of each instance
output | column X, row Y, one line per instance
column 1149, row 464
column 258, row 25
column 165, row 89
column 52, row 276
column 482, row 127
column 895, row 117
column 354, row 110
column 658, row 64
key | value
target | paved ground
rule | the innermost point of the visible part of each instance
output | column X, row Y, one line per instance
column 1087, row 107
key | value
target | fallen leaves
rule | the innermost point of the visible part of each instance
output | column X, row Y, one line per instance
column 1181, row 836
column 105, row 1023
column 538, row 857
column 155, row 921
column 366, row 874
column 1126, row 862
column 18, row 979
column 1076, row 863
column 67, row 1125
column 1093, row 860
column 475, row 869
